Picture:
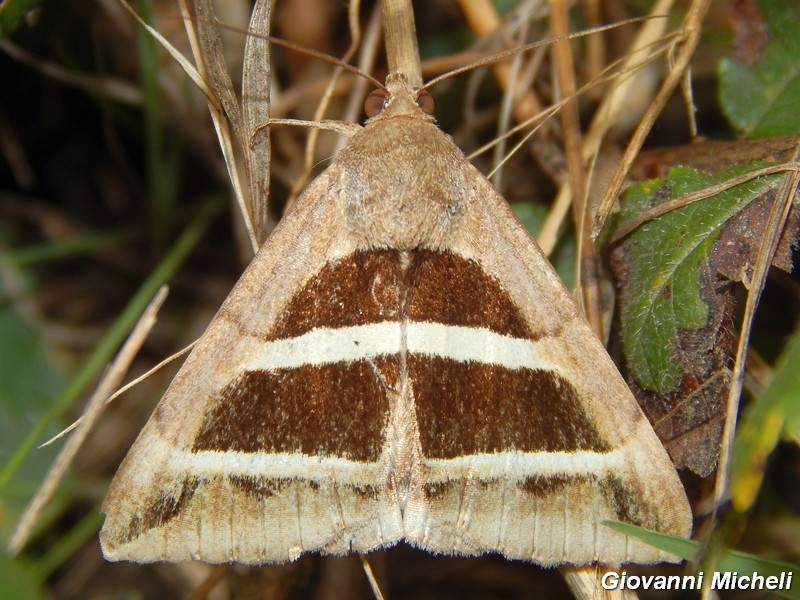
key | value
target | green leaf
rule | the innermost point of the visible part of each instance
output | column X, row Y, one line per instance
column 764, row 99
column 29, row 379
column 19, row 580
column 776, row 411
column 729, row 561
column 666, row 258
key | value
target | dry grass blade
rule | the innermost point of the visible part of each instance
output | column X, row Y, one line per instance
column 213, row 59
column 255, row 101
column 373, row 581
column 218, row 110
column 93, row 410
column 187, row 67
column 121, row 391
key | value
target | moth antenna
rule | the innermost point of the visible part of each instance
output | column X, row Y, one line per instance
column 496, row 57
column 369, row 50
column 327, row 58
column 606, row 75
column 323, row 56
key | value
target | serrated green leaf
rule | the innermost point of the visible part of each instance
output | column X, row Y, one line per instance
column 764, row 99
column 666, row 257
column 730, row 561
column 776, row 411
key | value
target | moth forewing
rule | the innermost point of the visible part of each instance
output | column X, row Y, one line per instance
column 399, row 362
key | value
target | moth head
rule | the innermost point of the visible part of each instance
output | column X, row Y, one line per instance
column 379, row 99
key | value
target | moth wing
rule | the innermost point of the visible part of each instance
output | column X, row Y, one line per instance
column 220, row 472
column 579, row 449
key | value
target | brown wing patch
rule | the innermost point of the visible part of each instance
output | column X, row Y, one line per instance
column 361, row 288
column 165, row 507
column 449, row 289
column 323, row 410
column 468, row 407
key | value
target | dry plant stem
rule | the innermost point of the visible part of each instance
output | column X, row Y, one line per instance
column 784, row 199
column 530, row 125
column 373, row 582
column 564, row 68
column 611, row 110
column 216, row 575
column 687, row 199
column 691, row 28
column 570, row 120
column 585, row 584
column 92, row 412
column 515, row 83
column 400, row 36
column 483, row 19
column 311, row 144
column 595, row 55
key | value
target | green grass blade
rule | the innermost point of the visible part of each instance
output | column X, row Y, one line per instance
column 115, row 335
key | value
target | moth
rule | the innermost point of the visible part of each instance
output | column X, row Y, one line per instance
column 399, row 362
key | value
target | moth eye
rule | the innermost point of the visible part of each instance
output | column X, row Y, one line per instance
column 425, row 101
column 375, row 102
